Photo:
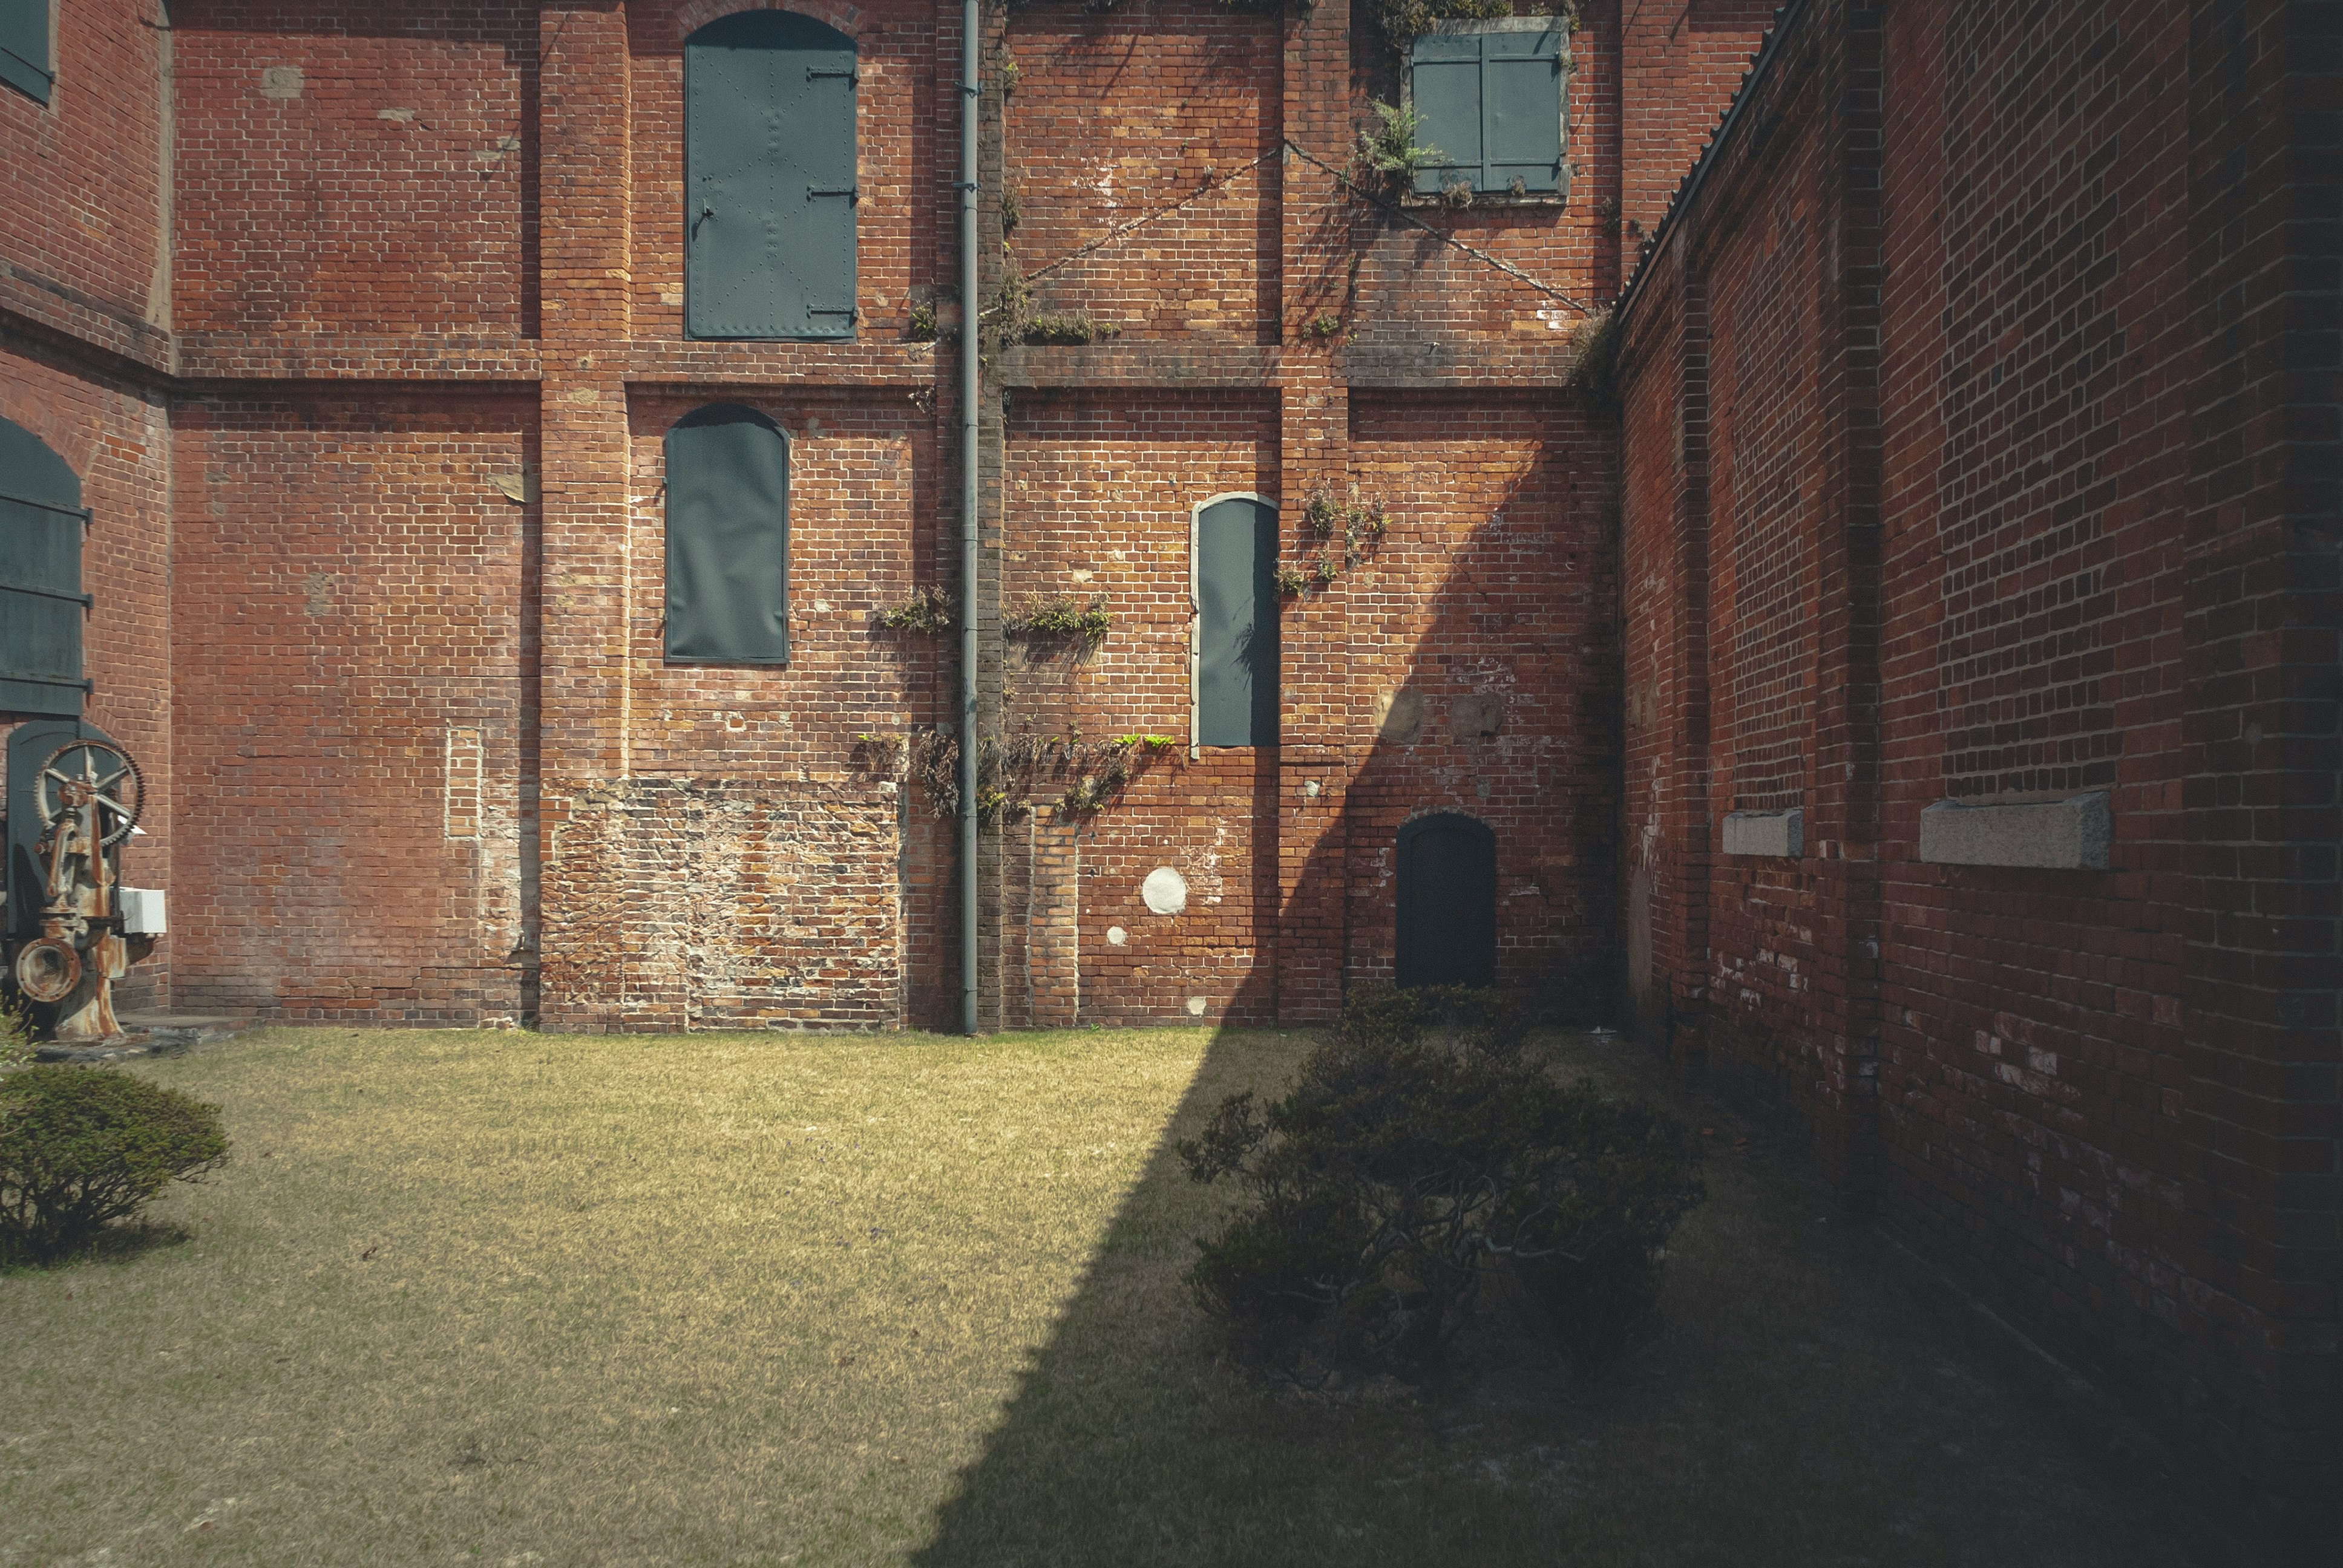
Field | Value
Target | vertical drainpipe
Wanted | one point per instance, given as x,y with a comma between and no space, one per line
968,502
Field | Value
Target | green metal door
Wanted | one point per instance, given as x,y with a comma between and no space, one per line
768,178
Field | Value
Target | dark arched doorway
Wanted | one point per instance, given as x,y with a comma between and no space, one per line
1447,901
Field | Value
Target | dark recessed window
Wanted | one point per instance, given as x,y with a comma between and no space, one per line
25,47
41,603
1447,901
1491,102
768,178
1236,623
727,537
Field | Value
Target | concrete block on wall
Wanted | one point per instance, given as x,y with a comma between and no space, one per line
1779,833
2073,834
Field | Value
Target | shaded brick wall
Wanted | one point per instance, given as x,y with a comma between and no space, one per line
84,346
1481,633
1930,319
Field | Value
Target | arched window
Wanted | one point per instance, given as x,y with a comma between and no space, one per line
1234,562
1447,901
41,603
768,178
727,537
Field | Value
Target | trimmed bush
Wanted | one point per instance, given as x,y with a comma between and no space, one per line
1421,1148
82,1147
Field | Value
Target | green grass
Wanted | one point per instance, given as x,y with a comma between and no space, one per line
513,1299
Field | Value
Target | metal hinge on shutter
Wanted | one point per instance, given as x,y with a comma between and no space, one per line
853,196
851,78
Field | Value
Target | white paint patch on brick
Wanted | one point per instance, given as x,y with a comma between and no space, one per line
462,807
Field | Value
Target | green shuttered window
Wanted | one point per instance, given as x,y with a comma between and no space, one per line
41,602
25,47
768,178
727,537
1491,102
1236,623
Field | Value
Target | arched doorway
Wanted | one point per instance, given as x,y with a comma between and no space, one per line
1447,901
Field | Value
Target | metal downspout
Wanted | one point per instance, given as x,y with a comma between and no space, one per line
969,313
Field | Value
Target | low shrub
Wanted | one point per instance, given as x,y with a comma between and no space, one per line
82,1147
1421,1148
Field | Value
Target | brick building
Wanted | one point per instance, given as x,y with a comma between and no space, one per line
1977,447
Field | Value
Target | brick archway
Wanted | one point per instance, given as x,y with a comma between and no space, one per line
694,15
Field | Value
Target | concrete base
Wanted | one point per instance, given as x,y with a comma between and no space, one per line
2071,835
1781,834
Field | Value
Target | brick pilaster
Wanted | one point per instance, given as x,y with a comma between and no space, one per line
1320,714
1843,781
586,189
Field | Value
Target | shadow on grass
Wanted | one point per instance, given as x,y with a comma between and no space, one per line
114,1244
1814,1397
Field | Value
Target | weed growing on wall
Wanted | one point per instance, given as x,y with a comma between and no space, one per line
1590,364
929,611
1011,772
1344,534
1389,147
1063,618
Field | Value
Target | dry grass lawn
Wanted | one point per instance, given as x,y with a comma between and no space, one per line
514,1299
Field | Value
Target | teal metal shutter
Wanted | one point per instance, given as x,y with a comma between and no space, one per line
41,603
1521,110
1491,102
1236,624
25,47
768,178
1446,86
1447,901
727,537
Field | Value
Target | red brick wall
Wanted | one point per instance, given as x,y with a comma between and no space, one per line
1110,123
1099,495
350,590
355,169
1946,380
82,191
1683,60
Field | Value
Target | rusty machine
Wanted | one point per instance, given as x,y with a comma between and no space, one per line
72,928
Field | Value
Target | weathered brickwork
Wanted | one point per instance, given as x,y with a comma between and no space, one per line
1086,154
722,904
84,191
1971,467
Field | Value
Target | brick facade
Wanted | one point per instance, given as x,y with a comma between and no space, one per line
1977,445
1960,465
